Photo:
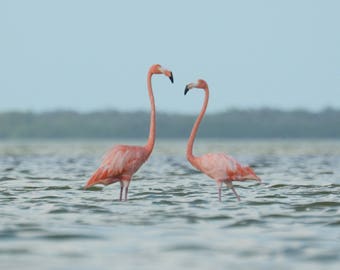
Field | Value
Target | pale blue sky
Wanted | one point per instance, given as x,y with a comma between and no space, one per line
93,55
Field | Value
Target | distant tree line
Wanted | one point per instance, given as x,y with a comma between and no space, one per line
256,123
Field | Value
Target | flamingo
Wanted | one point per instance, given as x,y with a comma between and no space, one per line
122,161
219,166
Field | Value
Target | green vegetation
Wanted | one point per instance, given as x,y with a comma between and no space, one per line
261,123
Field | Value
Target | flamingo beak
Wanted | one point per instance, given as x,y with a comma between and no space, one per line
171,77
186,89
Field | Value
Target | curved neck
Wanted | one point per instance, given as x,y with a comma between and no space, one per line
190,156
152,133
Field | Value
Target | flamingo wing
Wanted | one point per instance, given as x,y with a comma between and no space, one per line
121,161
238,172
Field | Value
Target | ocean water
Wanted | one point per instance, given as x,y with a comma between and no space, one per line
173,219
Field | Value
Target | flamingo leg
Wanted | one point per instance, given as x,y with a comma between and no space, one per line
126,193
230,185
237,196
125,185
219,187
121,193
219,193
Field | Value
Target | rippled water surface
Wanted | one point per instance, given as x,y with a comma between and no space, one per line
173,219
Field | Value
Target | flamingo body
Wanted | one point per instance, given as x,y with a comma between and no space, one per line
118,165
223,167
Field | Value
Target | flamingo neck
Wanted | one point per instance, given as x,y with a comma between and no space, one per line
152,132
190,156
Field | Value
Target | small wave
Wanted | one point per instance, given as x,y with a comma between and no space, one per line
272,202
308,206
188,247
7,178
334,223
198,201
14,251
67,236
274,196
58,188
60,179
91,207
25,171
93,188
8,233
165,202
279,186
276,216
325,172
47,197
59,210
37,178
216,217
246,222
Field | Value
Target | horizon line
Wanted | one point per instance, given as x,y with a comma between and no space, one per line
262,108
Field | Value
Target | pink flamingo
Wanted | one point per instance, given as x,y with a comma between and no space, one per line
122,161
220,167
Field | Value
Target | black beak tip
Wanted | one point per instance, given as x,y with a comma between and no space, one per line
171,78
186,90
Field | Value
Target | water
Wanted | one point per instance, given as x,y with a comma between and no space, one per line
173,219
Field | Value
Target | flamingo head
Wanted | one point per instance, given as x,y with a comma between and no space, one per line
202,84
158,69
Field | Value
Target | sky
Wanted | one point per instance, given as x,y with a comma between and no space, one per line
94,55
